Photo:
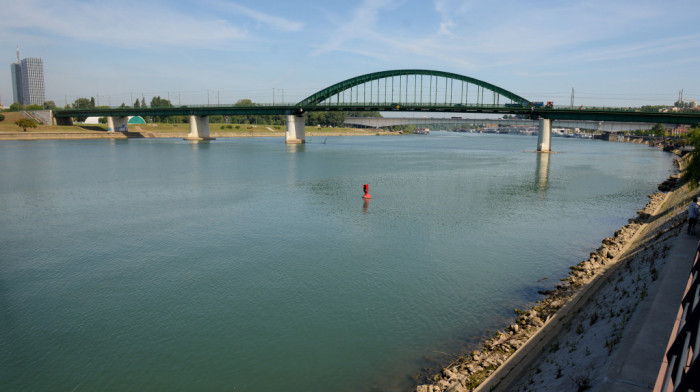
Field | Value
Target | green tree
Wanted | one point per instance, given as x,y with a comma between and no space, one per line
137,104
244,102
51,105
158,102
16,107
326,119
83,103
658,130
692,172
363,114
92,102
25,123
2,117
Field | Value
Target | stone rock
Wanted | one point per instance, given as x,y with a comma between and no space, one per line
456,387
516,343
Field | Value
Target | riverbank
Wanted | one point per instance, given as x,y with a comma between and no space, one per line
567,339
10,131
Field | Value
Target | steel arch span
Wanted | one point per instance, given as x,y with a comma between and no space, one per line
417,87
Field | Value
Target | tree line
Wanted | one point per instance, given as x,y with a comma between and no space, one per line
324,119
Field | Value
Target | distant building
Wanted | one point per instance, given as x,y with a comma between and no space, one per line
28,81
33,81
17,91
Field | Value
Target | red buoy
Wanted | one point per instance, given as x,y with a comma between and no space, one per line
366,189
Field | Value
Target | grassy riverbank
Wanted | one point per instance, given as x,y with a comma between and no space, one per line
10,131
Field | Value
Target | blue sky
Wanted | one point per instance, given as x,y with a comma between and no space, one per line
613,53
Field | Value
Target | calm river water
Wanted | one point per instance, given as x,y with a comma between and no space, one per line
250,265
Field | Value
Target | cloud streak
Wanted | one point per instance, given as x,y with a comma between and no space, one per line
471,36
275,22
135,24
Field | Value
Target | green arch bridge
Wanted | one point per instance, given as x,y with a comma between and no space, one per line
410,90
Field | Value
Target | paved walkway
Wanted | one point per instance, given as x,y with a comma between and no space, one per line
642,349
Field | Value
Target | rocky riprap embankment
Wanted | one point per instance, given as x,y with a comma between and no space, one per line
468,371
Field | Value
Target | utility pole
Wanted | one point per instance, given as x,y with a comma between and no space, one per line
218,97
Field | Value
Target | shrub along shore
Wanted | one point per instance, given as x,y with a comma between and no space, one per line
593,304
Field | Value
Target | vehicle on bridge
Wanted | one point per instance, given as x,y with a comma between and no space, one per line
549,105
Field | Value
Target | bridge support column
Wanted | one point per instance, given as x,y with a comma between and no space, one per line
296,129
119,124
199,128
545,135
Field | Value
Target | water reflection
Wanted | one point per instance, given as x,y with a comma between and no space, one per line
301,147
365,206
199,145
542,174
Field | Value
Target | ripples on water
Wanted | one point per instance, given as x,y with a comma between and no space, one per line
248,264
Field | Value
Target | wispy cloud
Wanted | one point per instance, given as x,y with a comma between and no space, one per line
273,21
360,27
134,24
472,36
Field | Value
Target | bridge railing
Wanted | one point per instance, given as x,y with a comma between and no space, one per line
682,369
426,105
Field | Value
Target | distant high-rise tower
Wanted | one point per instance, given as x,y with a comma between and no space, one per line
28,81
16,70
33,81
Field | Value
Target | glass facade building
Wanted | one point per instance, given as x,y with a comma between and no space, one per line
17,91
28,81
33,81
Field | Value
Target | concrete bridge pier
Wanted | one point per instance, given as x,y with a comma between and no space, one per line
296,129
199,128
545,135
119,124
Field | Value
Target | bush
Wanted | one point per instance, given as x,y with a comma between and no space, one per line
2,116
25,123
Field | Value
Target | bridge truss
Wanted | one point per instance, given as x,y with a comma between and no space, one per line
415,88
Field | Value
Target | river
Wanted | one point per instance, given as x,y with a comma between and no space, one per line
246,264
